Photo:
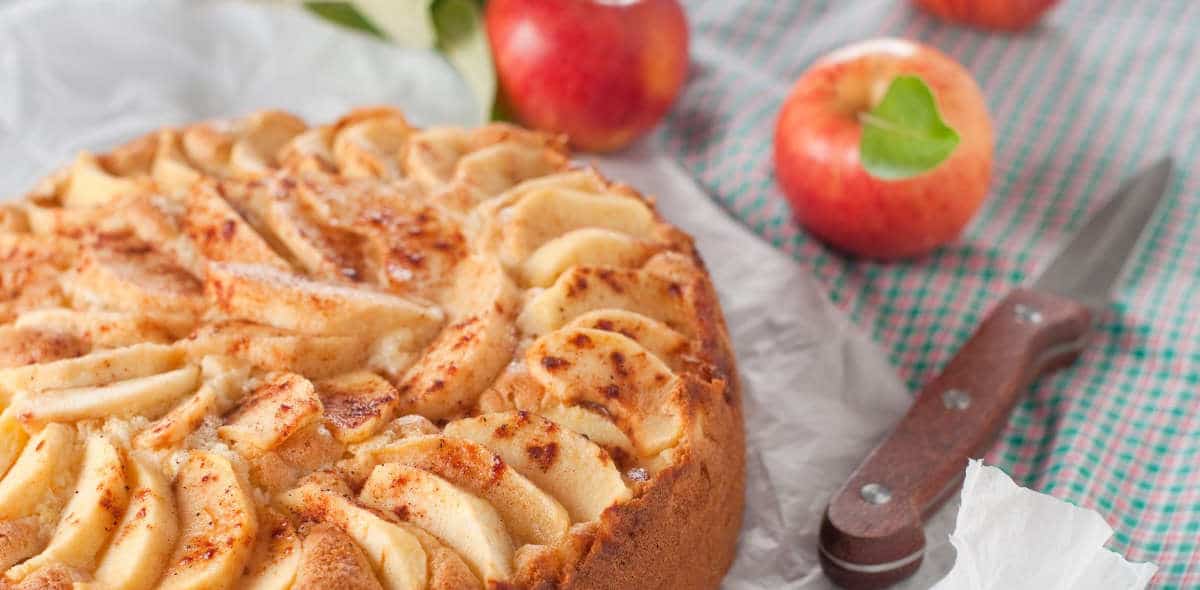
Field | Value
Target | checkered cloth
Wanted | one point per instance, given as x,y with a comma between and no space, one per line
1098,90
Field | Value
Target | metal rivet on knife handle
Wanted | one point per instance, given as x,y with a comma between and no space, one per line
875,493
1027,315
956,399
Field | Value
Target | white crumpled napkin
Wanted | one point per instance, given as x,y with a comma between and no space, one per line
89,74
1012,537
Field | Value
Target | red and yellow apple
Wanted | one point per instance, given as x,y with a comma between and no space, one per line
817,152
1004,15
601,71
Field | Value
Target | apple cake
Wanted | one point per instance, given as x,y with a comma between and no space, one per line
255,354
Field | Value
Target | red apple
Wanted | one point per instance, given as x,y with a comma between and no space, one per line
817,159
1005,15
602,71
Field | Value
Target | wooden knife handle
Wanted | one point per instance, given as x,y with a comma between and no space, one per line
872,534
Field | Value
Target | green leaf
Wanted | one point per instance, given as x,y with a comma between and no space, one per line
343,14
408,23
453,27
904,135
463,39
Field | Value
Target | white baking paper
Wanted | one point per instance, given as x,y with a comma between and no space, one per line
1005,533
90,74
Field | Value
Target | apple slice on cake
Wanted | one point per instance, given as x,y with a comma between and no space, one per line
218,524
395,554
145,536
528,513
566,465
465,522
91,514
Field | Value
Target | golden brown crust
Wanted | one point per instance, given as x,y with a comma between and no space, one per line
325,303
27,346
19,540
55,577
330,559
447,571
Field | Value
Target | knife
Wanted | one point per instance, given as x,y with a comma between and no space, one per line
872,536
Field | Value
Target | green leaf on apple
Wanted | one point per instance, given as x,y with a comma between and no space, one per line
453,27
343,14
904,135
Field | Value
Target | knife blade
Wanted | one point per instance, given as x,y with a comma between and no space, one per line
1087,267
872,532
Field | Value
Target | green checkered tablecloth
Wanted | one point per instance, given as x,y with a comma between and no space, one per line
1098,90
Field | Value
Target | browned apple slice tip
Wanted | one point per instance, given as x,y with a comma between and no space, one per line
465,522
357,404
396,555
528,513
218,524
328,558
566,465
612,371
283,405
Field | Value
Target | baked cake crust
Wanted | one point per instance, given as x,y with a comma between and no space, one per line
258,354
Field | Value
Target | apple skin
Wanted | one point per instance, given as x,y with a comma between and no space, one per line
1003,15
602,72
817,153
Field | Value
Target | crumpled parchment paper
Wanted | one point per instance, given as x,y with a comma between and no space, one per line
90,74
1042,542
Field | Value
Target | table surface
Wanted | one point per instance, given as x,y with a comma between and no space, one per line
1095,92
